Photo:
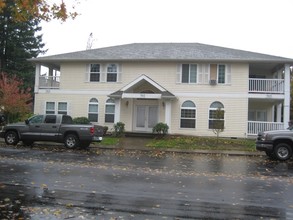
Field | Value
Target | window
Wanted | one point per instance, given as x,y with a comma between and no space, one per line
62,108
189,73
188,115
50,107
36,119
94,72
216,116
221,73
110,111
50,119
93,110
112,72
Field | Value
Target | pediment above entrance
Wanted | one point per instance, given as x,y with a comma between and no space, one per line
143,87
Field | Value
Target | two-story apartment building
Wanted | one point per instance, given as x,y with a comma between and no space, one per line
181,84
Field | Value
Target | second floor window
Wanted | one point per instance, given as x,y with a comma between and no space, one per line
95,72
189,73
112,72
221,73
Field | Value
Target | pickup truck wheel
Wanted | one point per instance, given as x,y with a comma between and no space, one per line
283,151
11,138
71,141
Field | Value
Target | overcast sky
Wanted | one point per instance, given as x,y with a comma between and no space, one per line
264,26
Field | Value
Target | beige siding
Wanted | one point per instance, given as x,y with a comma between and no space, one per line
75,90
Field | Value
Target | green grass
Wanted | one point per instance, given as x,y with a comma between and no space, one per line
109,141
192,143
202,143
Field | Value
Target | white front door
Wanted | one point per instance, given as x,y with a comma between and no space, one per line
146,117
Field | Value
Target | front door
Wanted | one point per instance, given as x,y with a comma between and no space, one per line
146,117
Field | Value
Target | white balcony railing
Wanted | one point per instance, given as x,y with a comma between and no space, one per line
50,82
257,126
271,86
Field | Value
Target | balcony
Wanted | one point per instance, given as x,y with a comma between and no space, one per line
266,86
257,126
49,82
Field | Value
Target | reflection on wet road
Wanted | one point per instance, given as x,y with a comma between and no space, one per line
123,184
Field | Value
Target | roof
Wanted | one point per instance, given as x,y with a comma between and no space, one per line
164,52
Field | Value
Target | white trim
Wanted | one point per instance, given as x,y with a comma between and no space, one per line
141,96
143,77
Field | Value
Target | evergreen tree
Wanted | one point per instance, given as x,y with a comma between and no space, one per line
19,41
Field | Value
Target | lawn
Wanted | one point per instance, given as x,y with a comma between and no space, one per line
203,143
194,143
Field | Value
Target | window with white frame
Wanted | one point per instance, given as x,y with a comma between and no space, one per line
95,72
112,72
221,73
188,115
50,107
188,73
93,110
216,115
110,111
62,108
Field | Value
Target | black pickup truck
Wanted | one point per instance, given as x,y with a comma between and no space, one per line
54,128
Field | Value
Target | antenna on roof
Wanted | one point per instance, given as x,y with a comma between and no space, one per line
90,42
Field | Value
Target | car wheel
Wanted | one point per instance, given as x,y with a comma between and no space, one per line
11,138
71,141
283,151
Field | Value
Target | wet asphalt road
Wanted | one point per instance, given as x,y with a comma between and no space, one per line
121,184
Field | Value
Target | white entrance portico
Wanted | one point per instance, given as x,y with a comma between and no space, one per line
145,104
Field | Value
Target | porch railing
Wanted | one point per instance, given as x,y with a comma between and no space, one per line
257,126
52,82
271,86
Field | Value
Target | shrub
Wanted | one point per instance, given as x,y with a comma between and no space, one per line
119,129
105,129
161,128
81,120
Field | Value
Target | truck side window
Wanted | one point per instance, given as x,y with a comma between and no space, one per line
66,120
50,119
36,119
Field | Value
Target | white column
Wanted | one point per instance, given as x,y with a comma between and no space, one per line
279,112
37,77
117,110
168,113
286,113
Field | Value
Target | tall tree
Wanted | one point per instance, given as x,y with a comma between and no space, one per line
19,41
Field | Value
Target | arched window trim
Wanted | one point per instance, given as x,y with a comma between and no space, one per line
213,107
188,115
93,115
